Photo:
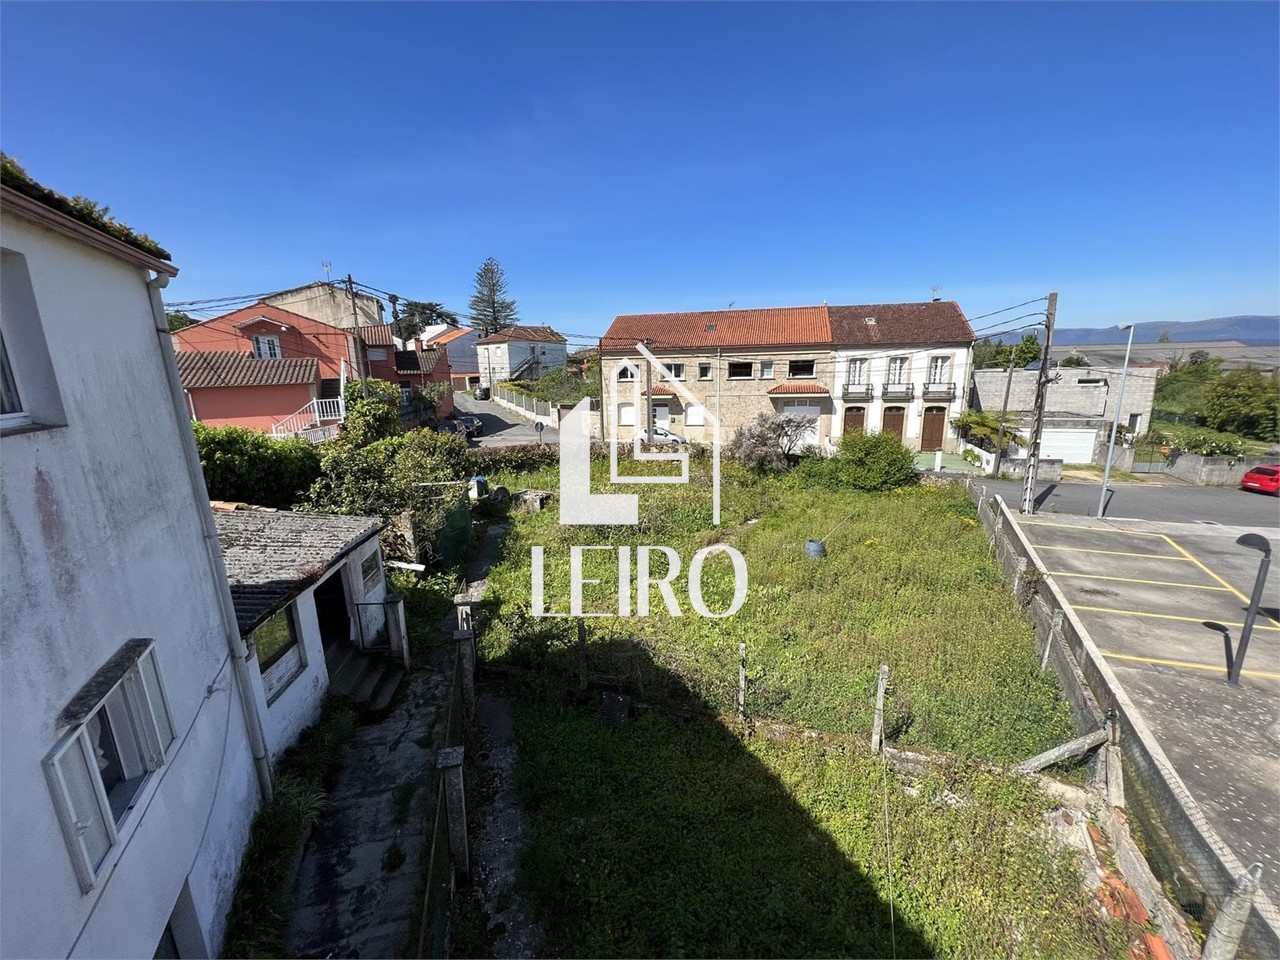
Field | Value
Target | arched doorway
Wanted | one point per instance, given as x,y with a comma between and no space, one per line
855,419
935,428
894,419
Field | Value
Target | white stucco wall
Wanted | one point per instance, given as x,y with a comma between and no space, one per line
101,541
917,374
497,360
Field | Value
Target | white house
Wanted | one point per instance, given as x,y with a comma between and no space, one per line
312,604
130,745
901,367
517,353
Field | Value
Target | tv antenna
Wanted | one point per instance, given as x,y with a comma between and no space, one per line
731,303
327,267
937,291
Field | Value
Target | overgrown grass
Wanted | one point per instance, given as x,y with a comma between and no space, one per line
426,601
304,776
668,838
908,580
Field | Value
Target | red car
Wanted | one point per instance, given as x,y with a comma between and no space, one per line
1263,480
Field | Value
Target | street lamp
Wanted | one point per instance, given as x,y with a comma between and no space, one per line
1258,542
1115,420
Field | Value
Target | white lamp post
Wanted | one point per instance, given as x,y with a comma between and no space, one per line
1115,420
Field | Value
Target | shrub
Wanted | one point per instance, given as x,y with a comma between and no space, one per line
772,441
245,465
1213,445
560,385
873,461
1244,402
374,417
971,456
524,458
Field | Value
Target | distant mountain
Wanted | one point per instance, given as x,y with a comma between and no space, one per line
1254,331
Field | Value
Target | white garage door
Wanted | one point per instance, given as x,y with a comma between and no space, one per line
805,408
1069,446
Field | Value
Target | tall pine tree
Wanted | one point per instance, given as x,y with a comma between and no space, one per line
491,309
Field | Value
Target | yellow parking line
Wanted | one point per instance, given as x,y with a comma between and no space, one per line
1113,553
1154,583
1071,526
1177,546
1191,666
1168,616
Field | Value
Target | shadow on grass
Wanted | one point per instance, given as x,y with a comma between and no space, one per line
656,836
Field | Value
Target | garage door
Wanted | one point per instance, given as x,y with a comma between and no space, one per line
805,408
1069,446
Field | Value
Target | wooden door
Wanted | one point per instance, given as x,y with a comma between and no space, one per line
935,428
894,418
855,419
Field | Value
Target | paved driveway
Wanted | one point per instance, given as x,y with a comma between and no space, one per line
502,428
1157,599
1172,502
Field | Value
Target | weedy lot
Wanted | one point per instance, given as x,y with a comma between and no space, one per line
669,836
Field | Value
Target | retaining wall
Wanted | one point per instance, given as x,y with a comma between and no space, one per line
1212,471
1184,850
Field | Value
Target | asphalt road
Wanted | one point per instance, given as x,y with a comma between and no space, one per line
502,428
1149,501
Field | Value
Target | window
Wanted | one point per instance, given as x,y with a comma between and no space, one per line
1135,421
799,369
377,353
695,415
266,348
627,373
371,570
766,369
626,414
11,409
116,740
281,659
28,389
676,370
740,369
704,371
938,368
897,370
858,372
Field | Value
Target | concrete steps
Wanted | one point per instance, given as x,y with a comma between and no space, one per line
368,679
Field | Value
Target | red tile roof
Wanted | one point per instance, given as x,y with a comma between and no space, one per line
376,335
541,334
807,389
937,321
199,370
774,326
662,390
449,335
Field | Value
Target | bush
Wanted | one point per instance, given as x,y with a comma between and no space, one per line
560,385
525,458
249,466
772,441
371,418
1244,402
1212,445
864,461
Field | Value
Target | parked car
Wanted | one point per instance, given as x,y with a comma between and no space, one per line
1262,480
481,393
661,435
474,426
451,426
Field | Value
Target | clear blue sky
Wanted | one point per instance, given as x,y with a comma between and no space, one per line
662,157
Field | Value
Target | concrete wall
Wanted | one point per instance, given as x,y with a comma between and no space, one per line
736,402
101,539
258,408
330,304
1087,391
1212,471
918,360
1184,850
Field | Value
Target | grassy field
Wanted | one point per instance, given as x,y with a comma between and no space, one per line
669,837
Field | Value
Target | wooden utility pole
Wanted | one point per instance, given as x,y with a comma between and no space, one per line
1042,390
362,358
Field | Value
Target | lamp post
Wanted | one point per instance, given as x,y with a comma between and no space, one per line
1258,542
1115,421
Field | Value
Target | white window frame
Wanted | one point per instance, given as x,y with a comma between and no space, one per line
857,375
749,375
266,346
792,375
695,415
372,577
766,369
626,414
942,363
626,373
708,367
903,366
676,370
136,716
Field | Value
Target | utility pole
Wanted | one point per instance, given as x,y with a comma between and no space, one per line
1042,390
362,361
1004,412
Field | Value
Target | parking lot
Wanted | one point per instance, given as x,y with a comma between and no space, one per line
1161,601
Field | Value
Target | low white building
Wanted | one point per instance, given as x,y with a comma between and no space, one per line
131,753
901,367
519,353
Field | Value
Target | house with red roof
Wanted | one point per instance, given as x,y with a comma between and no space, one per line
519,353
460,342
271,369
896,367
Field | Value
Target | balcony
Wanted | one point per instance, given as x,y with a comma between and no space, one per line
858,391
898,391
939,391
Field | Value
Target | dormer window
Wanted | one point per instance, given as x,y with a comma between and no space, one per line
266,348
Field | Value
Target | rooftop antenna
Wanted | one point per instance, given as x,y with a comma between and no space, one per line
731,303
937,292
327,267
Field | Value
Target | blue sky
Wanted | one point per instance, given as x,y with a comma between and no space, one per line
620,158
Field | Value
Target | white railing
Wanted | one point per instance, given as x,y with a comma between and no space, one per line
312,415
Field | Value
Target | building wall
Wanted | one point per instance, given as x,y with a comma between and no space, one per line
919,358
255,407
1087,391
497,360
102,543
330,304
332,349
736,402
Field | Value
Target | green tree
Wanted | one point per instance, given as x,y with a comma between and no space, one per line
1075,360
1165,337
982,428
1244,402
411,317
988,354
178,319
374,417
491,307
1027,350
1198,357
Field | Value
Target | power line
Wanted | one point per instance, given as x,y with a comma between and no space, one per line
983,316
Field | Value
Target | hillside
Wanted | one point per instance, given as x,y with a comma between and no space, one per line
1252,330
